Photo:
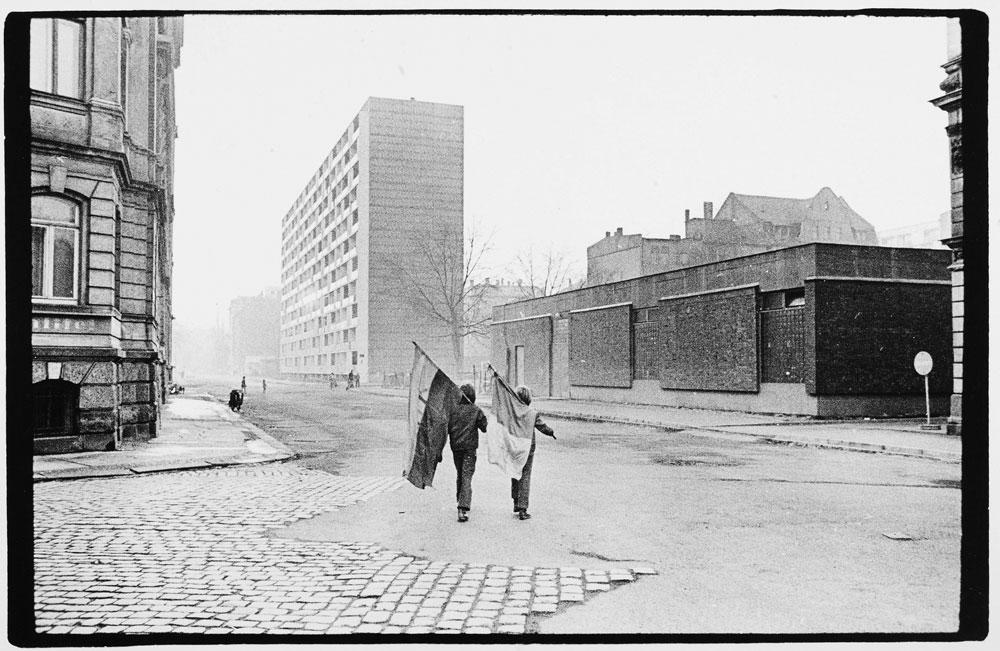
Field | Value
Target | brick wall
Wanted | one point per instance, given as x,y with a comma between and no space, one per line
536,337
709,341
773,270
600,347
865,335
881,262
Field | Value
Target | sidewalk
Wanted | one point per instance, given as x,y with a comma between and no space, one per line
898,436
196,431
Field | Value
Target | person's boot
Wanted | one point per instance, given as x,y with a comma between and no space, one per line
463,516
523,515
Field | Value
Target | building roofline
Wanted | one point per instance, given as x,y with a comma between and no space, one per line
739,257
407,101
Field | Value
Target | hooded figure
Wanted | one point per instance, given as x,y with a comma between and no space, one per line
521,488
464,424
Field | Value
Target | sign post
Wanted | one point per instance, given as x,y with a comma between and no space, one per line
922,364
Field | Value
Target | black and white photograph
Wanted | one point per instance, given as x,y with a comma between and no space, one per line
384,324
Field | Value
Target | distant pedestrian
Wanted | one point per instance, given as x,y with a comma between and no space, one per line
333,380
357,377
350,380
520,488
263,385
235,400
464,424
243,385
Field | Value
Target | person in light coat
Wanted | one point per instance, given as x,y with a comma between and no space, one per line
520,488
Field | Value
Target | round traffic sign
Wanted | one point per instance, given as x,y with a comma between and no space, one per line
922,363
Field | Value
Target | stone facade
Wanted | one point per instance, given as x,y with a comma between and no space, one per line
102,134
745,224
951,102
383,212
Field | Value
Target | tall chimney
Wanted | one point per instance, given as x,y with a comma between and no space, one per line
618,231
687,215
708,210
607,233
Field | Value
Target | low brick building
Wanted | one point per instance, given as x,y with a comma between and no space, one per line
102,139
816,329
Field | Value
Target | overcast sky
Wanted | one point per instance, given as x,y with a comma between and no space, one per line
573,125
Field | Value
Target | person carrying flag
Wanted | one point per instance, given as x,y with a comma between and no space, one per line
465,422
520,488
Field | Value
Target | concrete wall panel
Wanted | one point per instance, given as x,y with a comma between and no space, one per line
867,333
708,342
600,347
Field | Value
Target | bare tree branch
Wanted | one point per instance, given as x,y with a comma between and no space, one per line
542,273
442,285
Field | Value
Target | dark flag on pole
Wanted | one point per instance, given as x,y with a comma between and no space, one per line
432,397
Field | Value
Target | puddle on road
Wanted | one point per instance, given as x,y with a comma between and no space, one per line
668,460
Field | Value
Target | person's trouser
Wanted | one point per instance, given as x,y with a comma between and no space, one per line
465,466
519,488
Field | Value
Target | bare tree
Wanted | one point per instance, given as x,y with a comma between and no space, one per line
443,286
541,272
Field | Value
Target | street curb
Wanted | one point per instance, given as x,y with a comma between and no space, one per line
260,434
835,444
272,442
281,452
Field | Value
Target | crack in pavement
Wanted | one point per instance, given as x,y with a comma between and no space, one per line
602,557
822,481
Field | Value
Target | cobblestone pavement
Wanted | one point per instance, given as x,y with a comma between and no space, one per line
190,552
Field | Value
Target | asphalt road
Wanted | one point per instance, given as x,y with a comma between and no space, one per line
747,537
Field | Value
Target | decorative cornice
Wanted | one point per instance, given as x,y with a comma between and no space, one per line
948,101
116,159
58,102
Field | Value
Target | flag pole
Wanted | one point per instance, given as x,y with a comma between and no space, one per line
504,382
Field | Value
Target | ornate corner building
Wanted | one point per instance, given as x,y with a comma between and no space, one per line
951,102
102,167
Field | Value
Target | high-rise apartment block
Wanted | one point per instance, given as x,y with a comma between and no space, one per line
355,243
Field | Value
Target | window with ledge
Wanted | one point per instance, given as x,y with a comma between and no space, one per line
795,297
56,56
55,244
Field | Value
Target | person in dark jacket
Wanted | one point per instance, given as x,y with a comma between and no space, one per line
235,400
519,488
464,424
